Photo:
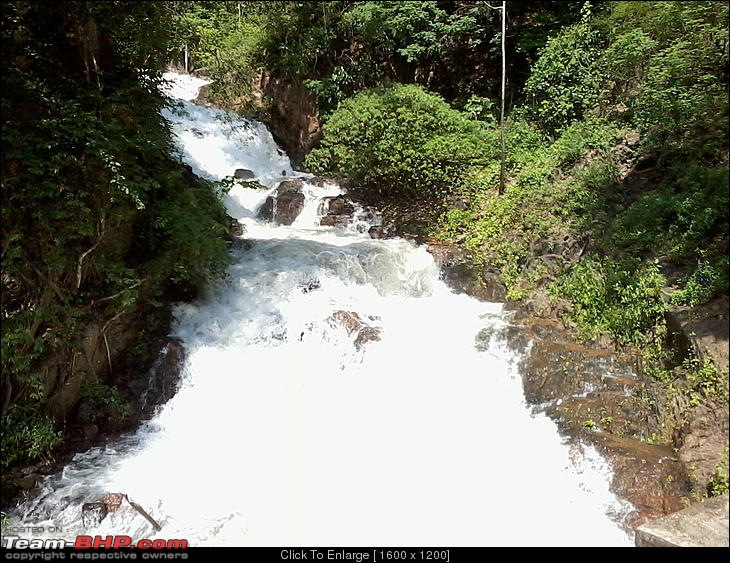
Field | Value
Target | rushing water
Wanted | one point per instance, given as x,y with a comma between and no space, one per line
285,432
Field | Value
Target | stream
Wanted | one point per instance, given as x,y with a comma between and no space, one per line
290,429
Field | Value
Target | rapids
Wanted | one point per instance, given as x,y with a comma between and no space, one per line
285,432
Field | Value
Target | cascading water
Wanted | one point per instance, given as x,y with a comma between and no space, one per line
290,430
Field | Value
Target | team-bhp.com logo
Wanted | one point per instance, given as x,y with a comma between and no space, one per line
94,542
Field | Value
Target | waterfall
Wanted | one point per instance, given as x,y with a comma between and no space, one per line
336,392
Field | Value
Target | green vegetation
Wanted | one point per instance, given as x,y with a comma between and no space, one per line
404,142
100,221
719,482
621,299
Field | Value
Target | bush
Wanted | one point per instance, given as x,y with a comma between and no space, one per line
402,141
618,298
27,434
565,82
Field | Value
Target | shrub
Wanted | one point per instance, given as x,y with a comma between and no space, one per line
402,141
618,298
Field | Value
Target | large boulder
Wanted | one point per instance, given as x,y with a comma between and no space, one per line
243,174
336,211
336,205
285,205
161,382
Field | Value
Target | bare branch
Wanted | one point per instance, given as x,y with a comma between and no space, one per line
118,293
89,251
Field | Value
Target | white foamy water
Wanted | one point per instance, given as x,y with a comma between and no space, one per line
286,432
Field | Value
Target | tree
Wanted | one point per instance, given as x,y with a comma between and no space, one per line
402,142
503,155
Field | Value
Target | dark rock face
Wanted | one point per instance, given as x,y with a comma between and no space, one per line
703,330
367,334
266,211
160,383
335,220
334,211
293,116
381,232
289,205
286,205
336,205
165,375
235,229
458,273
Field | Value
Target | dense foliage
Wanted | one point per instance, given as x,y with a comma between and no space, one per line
402,142
338,48
99,219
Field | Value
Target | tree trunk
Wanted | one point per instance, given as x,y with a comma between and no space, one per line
501,117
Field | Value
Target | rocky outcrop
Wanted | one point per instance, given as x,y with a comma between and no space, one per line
355,325
285,205
336,211
702,331
293,117
161,382
336,205
266,211
235,229
382,231
459,274
591,394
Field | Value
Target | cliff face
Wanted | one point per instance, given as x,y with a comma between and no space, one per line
293,116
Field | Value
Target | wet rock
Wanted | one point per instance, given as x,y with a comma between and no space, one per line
381,232
367,334
351,321
335,220
266,211
164,377
113,501
353,324
458,272
92,513
335,211
370,215
336,205
322,181
590,393
243,174
288,201
310,285
235,229
649,476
